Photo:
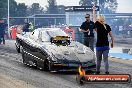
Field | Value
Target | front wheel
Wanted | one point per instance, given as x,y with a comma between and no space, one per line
23,57
17,48
47,65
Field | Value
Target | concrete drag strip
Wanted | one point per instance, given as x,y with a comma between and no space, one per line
9,82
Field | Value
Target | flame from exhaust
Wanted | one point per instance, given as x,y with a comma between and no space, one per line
81,71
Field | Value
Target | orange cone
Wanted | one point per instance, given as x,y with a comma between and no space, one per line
13,33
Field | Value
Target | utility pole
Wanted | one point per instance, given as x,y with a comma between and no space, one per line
98,5
8,21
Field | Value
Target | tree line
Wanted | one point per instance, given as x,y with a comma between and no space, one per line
21,10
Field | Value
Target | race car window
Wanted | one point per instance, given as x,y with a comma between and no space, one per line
36,33
45,37
56,32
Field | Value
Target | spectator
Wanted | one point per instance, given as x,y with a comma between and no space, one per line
2,31
26,26
31,27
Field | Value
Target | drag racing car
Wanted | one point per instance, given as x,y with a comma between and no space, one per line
51,49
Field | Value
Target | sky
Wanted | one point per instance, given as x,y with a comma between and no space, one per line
124,6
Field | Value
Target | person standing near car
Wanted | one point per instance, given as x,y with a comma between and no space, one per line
2,31
102,44
31,27
87,28
26,26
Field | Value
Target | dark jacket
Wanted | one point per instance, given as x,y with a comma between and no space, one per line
26,27
2,29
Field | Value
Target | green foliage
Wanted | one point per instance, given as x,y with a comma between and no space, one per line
106,6
3,8
52,7
15,10
21,10
35,9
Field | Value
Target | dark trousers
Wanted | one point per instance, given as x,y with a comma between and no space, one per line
26,30
89,42
99,55
2,39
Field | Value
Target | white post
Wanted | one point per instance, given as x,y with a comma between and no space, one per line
55,21
8,21
99,7
67,18
34,21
